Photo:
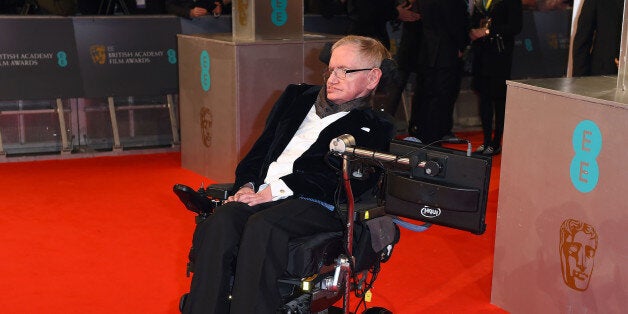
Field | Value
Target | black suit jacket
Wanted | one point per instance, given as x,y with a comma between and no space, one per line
369,18
311,176
445,32
598,37
492,55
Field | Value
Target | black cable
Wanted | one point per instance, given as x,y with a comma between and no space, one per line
367,287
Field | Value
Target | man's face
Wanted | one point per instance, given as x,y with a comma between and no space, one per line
355,84
578,255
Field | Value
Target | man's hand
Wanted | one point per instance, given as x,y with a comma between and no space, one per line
218,9
248,196
253,199
197,12
476,33
242,191
405,15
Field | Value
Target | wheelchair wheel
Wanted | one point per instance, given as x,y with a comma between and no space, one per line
377,310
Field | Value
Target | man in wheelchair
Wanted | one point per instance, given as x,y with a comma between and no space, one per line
285,187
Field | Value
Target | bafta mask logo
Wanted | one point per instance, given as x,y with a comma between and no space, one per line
206,126
578,243
97,52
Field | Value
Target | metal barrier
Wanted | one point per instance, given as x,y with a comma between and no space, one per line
78,60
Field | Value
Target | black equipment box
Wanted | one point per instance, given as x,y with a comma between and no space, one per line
455,195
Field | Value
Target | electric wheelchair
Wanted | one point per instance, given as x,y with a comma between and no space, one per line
426,184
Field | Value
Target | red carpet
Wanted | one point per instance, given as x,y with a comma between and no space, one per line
107,235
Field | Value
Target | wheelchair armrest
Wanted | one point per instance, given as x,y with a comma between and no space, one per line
218,191
204,200
363,214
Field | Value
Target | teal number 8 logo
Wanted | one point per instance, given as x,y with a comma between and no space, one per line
172,56
279,15
62,59
205,65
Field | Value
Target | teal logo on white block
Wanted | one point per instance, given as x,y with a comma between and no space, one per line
205,65
587,144
279,15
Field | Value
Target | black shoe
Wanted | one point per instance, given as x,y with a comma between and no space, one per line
491,151
193,200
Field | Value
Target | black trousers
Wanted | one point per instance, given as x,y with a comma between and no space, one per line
433,103
492,95
248,247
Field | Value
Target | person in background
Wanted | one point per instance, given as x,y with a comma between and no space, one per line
369,17
284,186
494,24
445,33
407,58
194,8
598,38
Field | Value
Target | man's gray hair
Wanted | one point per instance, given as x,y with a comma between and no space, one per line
371,49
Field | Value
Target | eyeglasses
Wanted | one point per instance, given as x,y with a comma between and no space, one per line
341,73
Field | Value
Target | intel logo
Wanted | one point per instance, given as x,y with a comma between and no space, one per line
429,212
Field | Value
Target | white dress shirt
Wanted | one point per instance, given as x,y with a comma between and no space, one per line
305,136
